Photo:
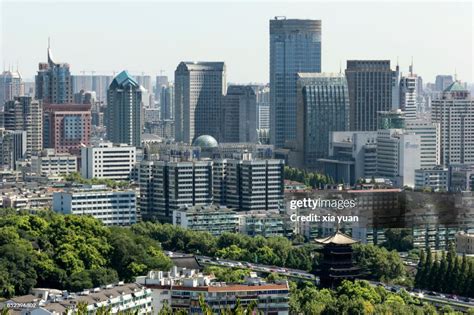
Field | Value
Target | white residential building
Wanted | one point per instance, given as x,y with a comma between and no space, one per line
112,207
108,160
50,163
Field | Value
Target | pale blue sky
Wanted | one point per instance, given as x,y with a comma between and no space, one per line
149,36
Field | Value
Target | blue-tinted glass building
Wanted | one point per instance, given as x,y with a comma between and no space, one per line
323,107
53,82
295,46
123,115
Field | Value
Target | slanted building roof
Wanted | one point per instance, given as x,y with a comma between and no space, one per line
337,238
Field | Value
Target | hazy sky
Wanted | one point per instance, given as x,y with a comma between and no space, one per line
153,36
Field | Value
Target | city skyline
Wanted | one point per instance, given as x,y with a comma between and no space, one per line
215,32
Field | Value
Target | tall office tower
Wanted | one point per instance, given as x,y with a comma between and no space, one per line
124,113
454,111
53,82
373,87
11,85
442,82
12,147
108,160
239,114
323,107
24,113
66,127
263,108
398,156
430,149
160,82
295,46
167,186
408,95
167,102
254,184
198,88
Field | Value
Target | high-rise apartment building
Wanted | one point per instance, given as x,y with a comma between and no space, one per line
254,184
53,82
108,160
12,147
66,127
167,102
373,87
124,110
454,111
24,113
167,186
239,114
199,89
295,46
11,86
323,107
408,95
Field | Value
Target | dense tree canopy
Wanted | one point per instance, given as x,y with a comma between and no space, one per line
70,252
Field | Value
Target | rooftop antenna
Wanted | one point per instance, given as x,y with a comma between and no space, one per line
340,67
411,66
455,74
398,67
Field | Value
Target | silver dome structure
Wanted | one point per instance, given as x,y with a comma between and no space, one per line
205,141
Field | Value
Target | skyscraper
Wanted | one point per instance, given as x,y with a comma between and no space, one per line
373,87
263,108
124,123
323,107
53,82
408,95
454,111
24,113
161,81
443,81
199,89
295,46
11,85
240,114
167,102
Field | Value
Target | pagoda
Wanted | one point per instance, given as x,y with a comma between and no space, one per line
337,263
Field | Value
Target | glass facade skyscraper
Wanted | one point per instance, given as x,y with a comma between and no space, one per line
295,46
124,124
323,107
373,87
199,89
53,82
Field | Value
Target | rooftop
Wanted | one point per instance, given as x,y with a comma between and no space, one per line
338,238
